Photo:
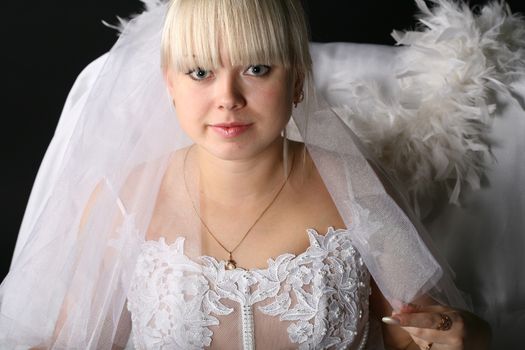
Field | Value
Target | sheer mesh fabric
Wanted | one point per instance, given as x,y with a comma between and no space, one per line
315,300
117,134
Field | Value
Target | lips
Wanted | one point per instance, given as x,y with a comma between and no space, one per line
230,130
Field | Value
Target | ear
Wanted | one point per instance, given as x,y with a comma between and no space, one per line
298,86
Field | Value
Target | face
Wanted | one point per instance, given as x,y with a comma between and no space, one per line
233,112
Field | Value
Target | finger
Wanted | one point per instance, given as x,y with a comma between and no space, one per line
408,308
415,324
427,320
412,308
423,343
432,336
418,326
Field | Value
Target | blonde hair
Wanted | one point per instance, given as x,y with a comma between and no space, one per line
250,31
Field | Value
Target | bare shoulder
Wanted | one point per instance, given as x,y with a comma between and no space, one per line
171,199
313,197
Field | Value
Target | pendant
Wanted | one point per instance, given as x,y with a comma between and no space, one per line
230,265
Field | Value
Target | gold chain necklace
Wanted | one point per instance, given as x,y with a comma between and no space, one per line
230,263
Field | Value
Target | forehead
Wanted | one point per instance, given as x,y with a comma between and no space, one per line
203,33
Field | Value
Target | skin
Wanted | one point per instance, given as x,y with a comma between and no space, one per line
240,173
418,323
258,95
252,165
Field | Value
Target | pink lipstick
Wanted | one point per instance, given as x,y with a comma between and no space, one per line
230,130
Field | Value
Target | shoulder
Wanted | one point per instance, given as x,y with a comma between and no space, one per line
309,189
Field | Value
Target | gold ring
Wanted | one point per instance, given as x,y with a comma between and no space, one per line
445,323
429,346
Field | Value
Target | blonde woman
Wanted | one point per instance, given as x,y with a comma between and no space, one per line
185,209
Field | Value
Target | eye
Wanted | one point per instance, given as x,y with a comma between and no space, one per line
199,74
257,70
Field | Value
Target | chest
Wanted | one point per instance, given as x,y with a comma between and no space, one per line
253,232
317,299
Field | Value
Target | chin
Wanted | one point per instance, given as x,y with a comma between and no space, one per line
239,150
235,152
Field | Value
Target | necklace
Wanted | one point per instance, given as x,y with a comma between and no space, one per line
230,264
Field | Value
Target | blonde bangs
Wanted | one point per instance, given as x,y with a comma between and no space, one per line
249,31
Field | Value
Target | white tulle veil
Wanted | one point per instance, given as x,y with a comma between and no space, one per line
450,103
92,202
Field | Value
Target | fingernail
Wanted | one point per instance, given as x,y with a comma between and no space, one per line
391,320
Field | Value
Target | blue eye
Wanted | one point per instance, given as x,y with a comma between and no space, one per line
257,70
199,74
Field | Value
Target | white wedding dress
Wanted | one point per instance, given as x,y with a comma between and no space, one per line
318,299
315,300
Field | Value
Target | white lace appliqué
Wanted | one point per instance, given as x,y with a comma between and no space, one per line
322,294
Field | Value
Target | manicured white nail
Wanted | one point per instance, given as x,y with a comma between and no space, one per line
390,320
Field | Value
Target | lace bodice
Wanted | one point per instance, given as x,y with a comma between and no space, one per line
315,300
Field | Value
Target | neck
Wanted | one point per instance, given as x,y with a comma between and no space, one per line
231,182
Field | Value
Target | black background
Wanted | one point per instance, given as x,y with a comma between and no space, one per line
47,43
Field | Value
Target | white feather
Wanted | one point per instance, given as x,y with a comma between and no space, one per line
433,132
122,23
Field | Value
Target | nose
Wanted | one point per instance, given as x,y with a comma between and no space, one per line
229,93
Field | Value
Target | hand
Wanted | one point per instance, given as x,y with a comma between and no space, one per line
438,327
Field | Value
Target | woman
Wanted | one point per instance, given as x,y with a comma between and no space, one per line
211,228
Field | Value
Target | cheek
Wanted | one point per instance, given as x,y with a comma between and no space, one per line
190,102
186,97
189,111
276,100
